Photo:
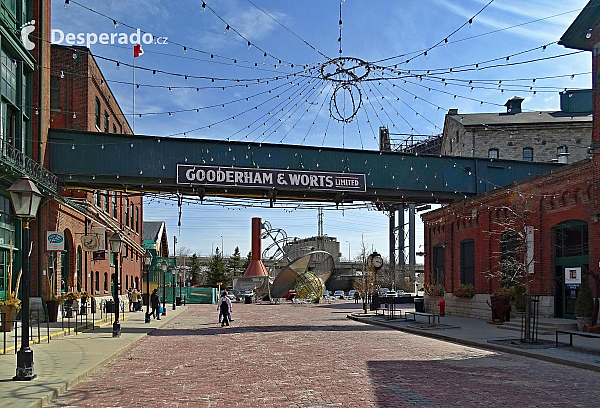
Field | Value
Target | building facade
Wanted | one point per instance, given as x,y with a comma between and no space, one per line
541,136
557,216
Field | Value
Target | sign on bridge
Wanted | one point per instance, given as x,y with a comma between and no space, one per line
269,178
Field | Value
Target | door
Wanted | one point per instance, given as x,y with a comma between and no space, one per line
570,251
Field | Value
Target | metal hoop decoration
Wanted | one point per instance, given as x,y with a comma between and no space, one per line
334,110
341,70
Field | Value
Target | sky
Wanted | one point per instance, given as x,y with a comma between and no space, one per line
305,34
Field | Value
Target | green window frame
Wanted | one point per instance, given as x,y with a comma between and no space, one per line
8,77
97,113
106,116
114,204
467,262
106,202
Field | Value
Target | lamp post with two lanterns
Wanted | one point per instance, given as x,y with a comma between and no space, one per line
164,266
26,199
116,244
173,283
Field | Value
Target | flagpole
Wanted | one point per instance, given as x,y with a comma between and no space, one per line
134,91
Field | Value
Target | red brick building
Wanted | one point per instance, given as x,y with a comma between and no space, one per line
80,98
558,214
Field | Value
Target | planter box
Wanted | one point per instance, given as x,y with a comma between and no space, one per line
9,314
52,306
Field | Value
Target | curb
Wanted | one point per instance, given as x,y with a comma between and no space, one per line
486,346
72,382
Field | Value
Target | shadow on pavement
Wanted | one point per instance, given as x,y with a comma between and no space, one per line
259,329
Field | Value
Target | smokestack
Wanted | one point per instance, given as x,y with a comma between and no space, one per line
256,267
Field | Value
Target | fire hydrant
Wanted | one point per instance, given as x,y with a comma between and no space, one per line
442,305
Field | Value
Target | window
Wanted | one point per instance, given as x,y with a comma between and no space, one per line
54,93
106,202
528,154
97,199
105,282
562,149
112,259
467,263
137,220
127,212
126,281
106,121
114,204
438,275
510,244
11,126
114,128
571,239
493,153
11,5
120,128
131,215
8,81
97,113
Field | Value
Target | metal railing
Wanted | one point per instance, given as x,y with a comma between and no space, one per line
25,164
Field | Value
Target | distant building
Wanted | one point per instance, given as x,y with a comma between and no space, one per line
541,136
300,247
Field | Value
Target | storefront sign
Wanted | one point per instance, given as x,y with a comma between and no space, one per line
573,276
55,241
268,178
89,243
100,232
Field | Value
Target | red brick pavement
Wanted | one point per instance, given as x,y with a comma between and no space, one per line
300,356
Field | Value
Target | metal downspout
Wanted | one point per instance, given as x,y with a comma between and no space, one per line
40,141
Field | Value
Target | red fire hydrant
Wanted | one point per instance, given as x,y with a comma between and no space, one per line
442,305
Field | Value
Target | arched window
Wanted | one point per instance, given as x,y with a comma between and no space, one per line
467,262
97,282
562,149
105,282
127,212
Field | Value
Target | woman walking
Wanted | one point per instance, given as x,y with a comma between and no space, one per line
154,301
225,306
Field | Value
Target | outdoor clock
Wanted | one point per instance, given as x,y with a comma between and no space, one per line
376,260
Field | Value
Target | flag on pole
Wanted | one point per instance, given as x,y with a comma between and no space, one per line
137,50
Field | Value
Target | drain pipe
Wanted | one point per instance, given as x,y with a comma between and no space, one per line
40,229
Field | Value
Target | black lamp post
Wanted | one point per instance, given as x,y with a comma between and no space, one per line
173,284
116,244
147,263
163,266
26,199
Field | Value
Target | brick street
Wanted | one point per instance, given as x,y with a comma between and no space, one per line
312,355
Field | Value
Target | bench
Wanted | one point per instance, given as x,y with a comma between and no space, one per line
572,333
428,315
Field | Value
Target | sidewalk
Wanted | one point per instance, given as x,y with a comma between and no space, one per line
478,333
66,361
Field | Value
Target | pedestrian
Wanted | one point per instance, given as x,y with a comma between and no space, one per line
129,297
135,299
356,296
225,308
154,301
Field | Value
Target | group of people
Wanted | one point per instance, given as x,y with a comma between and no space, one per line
224,308
135,300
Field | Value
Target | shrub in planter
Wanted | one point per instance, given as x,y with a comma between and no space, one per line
435,290
464,291
584,306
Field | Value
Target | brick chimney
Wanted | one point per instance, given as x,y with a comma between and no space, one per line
513,105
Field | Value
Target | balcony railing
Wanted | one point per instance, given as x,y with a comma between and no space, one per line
22,163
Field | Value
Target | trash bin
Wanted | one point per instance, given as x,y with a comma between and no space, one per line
109,306
419,304
248,300
178,300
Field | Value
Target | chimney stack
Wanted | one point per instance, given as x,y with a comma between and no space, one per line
256,267
513,105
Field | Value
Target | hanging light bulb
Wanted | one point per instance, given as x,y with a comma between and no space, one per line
118,65
62,74
74,115
265,56
226,29
470,22
203,7
184,49
445,42
115,23
543,48
249,45
66,4
170,89
588,35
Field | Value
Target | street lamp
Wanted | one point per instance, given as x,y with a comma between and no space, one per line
222,246
163,266
116,244
173,284
348,250
147,263
26,199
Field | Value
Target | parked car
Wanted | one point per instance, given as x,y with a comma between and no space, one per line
391,293
246,293
339,293
327,293
383,291
290,294
351,293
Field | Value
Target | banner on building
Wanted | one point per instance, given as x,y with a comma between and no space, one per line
55,241
573,276
89,243
529,252
100,232
269,178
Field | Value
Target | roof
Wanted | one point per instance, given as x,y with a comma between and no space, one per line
551,117
574,37
152,230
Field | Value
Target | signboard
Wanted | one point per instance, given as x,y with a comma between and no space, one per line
55,241
573,276
98,256
100,232
269,178
529,249
89,243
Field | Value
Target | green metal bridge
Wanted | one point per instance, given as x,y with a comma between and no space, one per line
92,160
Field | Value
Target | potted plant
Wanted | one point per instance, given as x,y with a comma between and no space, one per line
500,304
52,301
584,306
10,305
69,298
464,291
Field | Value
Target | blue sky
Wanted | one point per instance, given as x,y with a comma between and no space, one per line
371,31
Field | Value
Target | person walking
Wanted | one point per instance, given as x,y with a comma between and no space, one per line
225,306
356,296
154,302
130,298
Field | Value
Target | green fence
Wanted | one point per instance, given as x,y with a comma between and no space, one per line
191,295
